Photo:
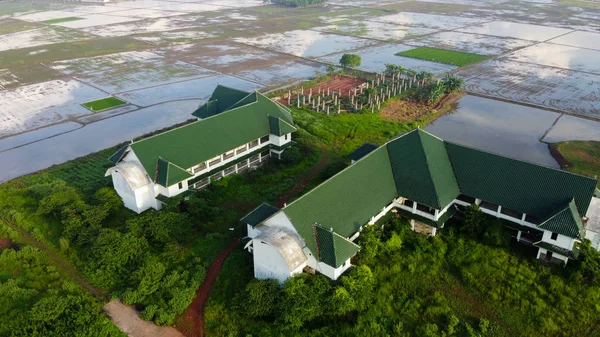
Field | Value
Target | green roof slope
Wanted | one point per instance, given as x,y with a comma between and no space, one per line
566,221
422,170
168,174
259,214
221,99
200,141
332,248
279,127
347,200
518,185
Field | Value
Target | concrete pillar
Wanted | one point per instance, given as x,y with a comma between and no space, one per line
538,253
519,236
523,218
499,211
477,201
414,207
433,231
412,224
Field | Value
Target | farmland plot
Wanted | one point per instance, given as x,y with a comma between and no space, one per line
470,43
430,21
565,57
40,37
36,105
284,73
375,30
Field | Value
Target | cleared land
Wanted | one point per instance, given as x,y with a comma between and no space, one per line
443,56
104,104
581,157
59,20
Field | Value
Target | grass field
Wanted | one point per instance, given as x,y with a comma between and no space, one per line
583,156
443,56
59,20
104,104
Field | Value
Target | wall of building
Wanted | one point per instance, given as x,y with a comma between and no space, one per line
269,263
555,257
561,240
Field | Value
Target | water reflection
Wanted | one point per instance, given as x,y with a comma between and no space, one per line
504,128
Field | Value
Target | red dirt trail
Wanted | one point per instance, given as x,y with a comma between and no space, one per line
191,323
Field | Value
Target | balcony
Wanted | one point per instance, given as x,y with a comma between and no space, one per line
199,168
228,155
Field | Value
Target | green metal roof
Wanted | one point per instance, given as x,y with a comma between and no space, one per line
221,100
362,151
566,221
117,156
422,170
347,200
168,174
572,254
259,214
332,248
200,141
280,127
518,185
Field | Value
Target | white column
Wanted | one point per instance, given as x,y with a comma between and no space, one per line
412,224
433,231
523,218
539,252
477,201
436,215
519,236
499,210
414,210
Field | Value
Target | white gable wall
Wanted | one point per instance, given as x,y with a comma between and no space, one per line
269,263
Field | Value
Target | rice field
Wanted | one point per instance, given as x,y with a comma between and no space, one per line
443,56
104,104
59,20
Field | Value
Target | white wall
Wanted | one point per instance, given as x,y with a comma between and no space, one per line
138,200
554,255
252,232
594,237
269,263
561,240
333,273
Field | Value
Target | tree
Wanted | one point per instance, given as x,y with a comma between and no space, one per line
452,83
109,199
360,284
350,61
261,298
474,223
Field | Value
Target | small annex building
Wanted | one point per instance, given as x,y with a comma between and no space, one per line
425,179
236,131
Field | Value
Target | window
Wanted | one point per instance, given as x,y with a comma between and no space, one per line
407,203
489,206
287,136
240,149
425,209
253,143
264,139
228,155
180,185
198,168
466,199
532,219
548,256
554,236
214,161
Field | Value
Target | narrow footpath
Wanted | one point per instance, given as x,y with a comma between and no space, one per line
191,323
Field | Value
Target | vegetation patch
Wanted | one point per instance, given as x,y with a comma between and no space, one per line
104,104
581,157
443,56
298,3
59,20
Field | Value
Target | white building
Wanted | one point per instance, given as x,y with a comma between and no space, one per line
427,180
237,131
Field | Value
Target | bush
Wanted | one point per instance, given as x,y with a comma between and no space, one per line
350,61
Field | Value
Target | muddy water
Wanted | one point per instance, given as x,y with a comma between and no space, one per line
504,128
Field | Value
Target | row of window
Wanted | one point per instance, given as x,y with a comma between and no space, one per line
227,155
241,167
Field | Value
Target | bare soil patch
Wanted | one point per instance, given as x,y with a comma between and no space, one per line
129,321
404,111
337,83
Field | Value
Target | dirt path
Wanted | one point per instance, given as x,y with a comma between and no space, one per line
55,259
191,323
302,184
129,321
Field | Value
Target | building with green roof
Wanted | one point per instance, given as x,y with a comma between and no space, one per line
236,131
428,180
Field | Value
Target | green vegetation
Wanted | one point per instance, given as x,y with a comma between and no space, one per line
39,300
104,104
59,20
298,3
350,61
581,157
406,284
443,56
8,26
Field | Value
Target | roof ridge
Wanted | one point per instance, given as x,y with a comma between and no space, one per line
520,160
186,125
437,197
333,176
243,98
257,207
